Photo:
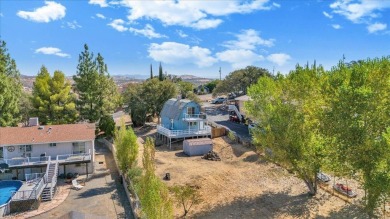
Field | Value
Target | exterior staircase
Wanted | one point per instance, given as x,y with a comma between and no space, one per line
51,181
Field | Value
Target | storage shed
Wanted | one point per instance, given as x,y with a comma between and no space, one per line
194,147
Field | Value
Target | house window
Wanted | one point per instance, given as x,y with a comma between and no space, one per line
1,153
52,144
78,147
192,123
25,148
190,110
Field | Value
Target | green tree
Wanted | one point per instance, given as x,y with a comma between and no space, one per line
148,98
52,99
108,95
126,147
211,85
160,73
289,109
41,96
107,125
97,91
26,107
240,80
10,88
358,119
138,107
151,72
62,100
153,193
186,196
185,87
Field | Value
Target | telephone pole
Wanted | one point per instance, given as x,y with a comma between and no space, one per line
220,77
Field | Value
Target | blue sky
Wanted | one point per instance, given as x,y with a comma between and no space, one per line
193,37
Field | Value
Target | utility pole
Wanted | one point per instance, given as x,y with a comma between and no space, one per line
220,77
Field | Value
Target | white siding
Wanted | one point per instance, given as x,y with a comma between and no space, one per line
38,149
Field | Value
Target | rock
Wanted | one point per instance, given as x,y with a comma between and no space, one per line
211,155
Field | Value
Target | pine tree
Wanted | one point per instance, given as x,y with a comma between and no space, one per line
97,91
10,88
86,81
41,96
52,99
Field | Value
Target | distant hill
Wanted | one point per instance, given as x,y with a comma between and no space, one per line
120,80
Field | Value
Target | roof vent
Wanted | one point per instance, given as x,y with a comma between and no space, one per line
33,121
41,127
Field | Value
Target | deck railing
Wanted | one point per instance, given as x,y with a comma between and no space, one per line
31,177
74,157
33,193
29,161
194,116
4,209
23,161
181,133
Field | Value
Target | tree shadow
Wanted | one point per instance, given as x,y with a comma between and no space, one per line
253,158
181,154
349,211
275,205
96,191
269,205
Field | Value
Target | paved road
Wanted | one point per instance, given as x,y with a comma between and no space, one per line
102,196
218,113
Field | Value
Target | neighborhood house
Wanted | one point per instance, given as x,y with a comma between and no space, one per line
28,150
182,118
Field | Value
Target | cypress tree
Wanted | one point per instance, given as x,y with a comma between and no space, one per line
151,72
160,73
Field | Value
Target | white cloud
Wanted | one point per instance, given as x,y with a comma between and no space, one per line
148,32
206,23
73,25
181,34
327,14
336,26
101,3
51,51
276,5
248,39
239,58
100,16
195,14
359,10
372,28
50,12
174,53
278,58
117,24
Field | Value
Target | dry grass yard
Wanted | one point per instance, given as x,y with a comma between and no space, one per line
244,185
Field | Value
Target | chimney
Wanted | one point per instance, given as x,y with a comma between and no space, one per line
33,121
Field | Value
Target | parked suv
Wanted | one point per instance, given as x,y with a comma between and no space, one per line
218,100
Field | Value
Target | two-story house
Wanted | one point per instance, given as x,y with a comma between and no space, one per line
28,150
182,118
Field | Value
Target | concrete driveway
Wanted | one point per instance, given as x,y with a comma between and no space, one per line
102,196
218,114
